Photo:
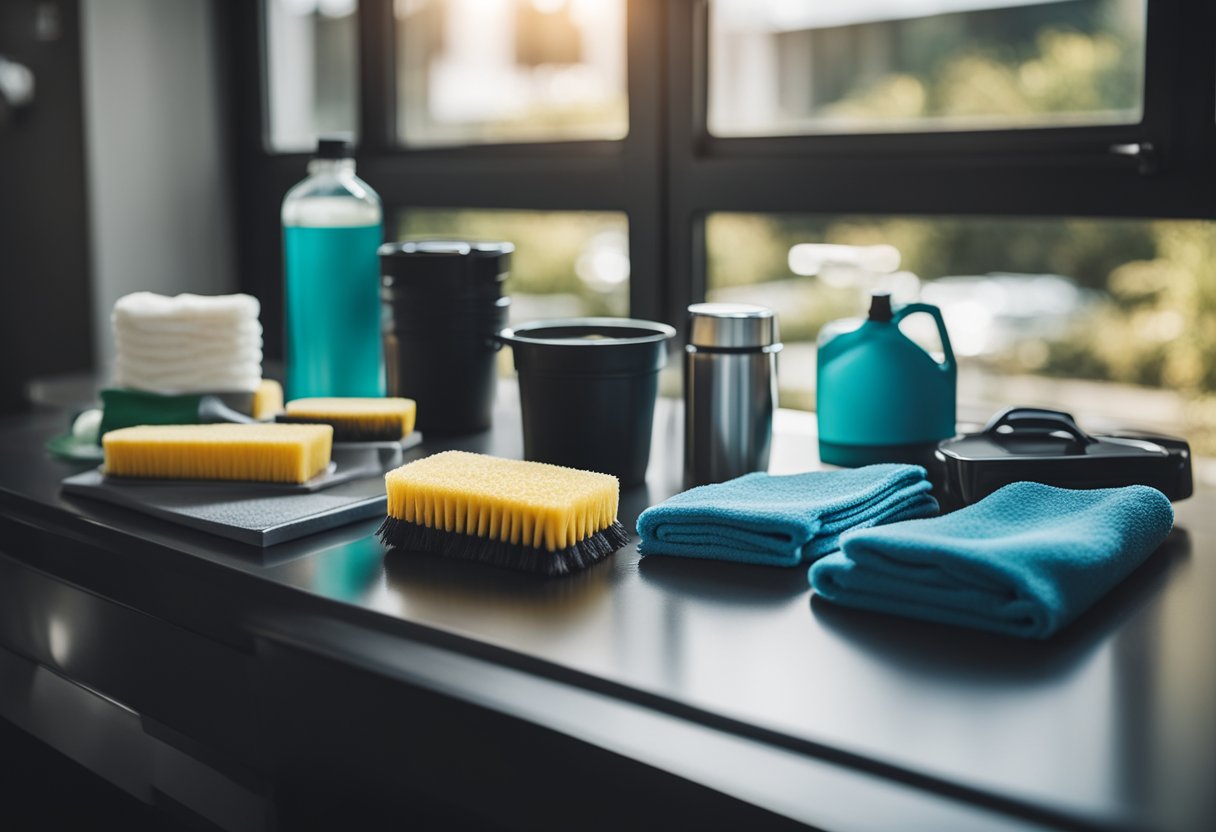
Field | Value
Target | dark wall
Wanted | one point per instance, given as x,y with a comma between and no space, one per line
45,302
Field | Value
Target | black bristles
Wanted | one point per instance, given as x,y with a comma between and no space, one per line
401,534
349,429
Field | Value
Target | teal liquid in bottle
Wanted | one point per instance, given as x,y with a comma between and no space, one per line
331,230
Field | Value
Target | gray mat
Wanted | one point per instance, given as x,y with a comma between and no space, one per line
250,513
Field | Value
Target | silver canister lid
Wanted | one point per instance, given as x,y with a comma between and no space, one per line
731,325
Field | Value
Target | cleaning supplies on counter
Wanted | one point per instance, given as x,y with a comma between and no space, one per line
730,390
1024,561
187,344
587,391
443,309
123,408
879,396
255,453
782,520
355,419
504,512
331,230
1047,446
187,359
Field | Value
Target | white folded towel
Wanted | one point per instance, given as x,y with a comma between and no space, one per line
188,343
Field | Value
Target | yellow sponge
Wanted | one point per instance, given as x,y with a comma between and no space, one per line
267,399
263,453
526,515
356,419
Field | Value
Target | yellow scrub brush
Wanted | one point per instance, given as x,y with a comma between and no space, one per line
505,512
255,453
355,419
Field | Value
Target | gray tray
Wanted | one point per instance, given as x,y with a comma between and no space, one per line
258,514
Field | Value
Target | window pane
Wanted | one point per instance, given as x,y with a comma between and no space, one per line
566,263
499,71
780,67
1108,319
312,71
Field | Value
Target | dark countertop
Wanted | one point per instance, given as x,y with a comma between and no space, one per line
1110,725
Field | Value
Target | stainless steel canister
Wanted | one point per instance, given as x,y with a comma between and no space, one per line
730,390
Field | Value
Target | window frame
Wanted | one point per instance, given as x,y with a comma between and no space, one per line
670,172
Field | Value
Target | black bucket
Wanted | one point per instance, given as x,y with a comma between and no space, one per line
587,389
442,308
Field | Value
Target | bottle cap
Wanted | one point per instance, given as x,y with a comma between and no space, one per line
880,306
731,325
336,146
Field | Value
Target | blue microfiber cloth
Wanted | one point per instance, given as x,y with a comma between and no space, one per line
782,520
1025,560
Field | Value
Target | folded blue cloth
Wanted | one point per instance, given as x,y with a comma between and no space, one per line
782,520
1025,560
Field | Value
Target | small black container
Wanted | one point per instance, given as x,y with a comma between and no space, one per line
1048,447
587,389
443,307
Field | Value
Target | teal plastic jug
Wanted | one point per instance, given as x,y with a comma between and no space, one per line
879,396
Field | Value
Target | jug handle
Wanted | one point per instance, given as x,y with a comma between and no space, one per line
929,308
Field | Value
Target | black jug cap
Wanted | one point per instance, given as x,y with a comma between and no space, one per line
880,306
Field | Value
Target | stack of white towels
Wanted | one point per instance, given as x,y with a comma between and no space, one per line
187,343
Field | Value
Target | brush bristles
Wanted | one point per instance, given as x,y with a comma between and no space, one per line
351,429
355,419
400,534
260,453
